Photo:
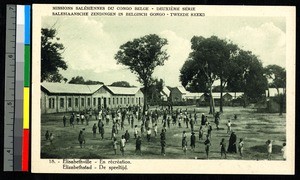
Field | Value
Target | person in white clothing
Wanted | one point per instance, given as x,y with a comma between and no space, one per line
283,150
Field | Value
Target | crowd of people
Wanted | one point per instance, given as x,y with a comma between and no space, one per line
145,128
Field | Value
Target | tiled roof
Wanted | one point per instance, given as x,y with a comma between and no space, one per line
166,91
123,90
182,89
65,88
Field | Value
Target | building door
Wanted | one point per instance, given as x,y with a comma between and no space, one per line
139,101
99,104
104,102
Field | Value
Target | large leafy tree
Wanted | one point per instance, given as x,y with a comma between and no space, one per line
208,62
276,76
248,76
141,56
51,58
80,80
121,84
154,90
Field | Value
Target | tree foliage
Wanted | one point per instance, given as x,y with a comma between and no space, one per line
248,76
154,90
214,59
141,56
51,59
276,76
121,84
208,62
80,80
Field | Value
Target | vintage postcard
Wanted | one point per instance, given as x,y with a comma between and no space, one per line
163,89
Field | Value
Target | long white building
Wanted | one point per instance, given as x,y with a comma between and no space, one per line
61,97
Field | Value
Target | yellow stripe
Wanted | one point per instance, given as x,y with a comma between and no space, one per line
26,108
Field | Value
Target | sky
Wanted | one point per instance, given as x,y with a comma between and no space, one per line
91,42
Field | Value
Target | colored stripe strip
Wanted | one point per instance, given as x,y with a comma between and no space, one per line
27,66
26,100
26,108
25,151
27,24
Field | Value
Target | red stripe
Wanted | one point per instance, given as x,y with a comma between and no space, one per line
25,149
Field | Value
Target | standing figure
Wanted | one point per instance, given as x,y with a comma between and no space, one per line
94,130
81,138
148,134
163,146
135,131
64,120
223,148
155,129
122,145
217,120
209,129
127,136
207,146
163,135
269,148
115,145
168,121
228,127
283,151
200,133
77,118
241,147
47,135
138,145
193,141
51,138
132,121
184,145
232,143
113,131
202,119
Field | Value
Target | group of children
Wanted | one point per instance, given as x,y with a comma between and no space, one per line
149,122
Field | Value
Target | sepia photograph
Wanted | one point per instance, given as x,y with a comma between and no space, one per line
172,84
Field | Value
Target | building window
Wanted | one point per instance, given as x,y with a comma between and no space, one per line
51,103
113,101
76,102
132,100
89,102
62,102
124,100
94,102
69,102
117,101
128,101
109,101
120,100
82,101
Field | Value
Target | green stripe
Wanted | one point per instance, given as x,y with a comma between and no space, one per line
27,66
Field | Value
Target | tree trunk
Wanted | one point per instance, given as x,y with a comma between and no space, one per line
212,102
145,100
221,97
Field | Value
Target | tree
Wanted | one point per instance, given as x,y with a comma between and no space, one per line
141,56
276,76
121,84
77,80
51,59
207,63
154,90
80,80
248,76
